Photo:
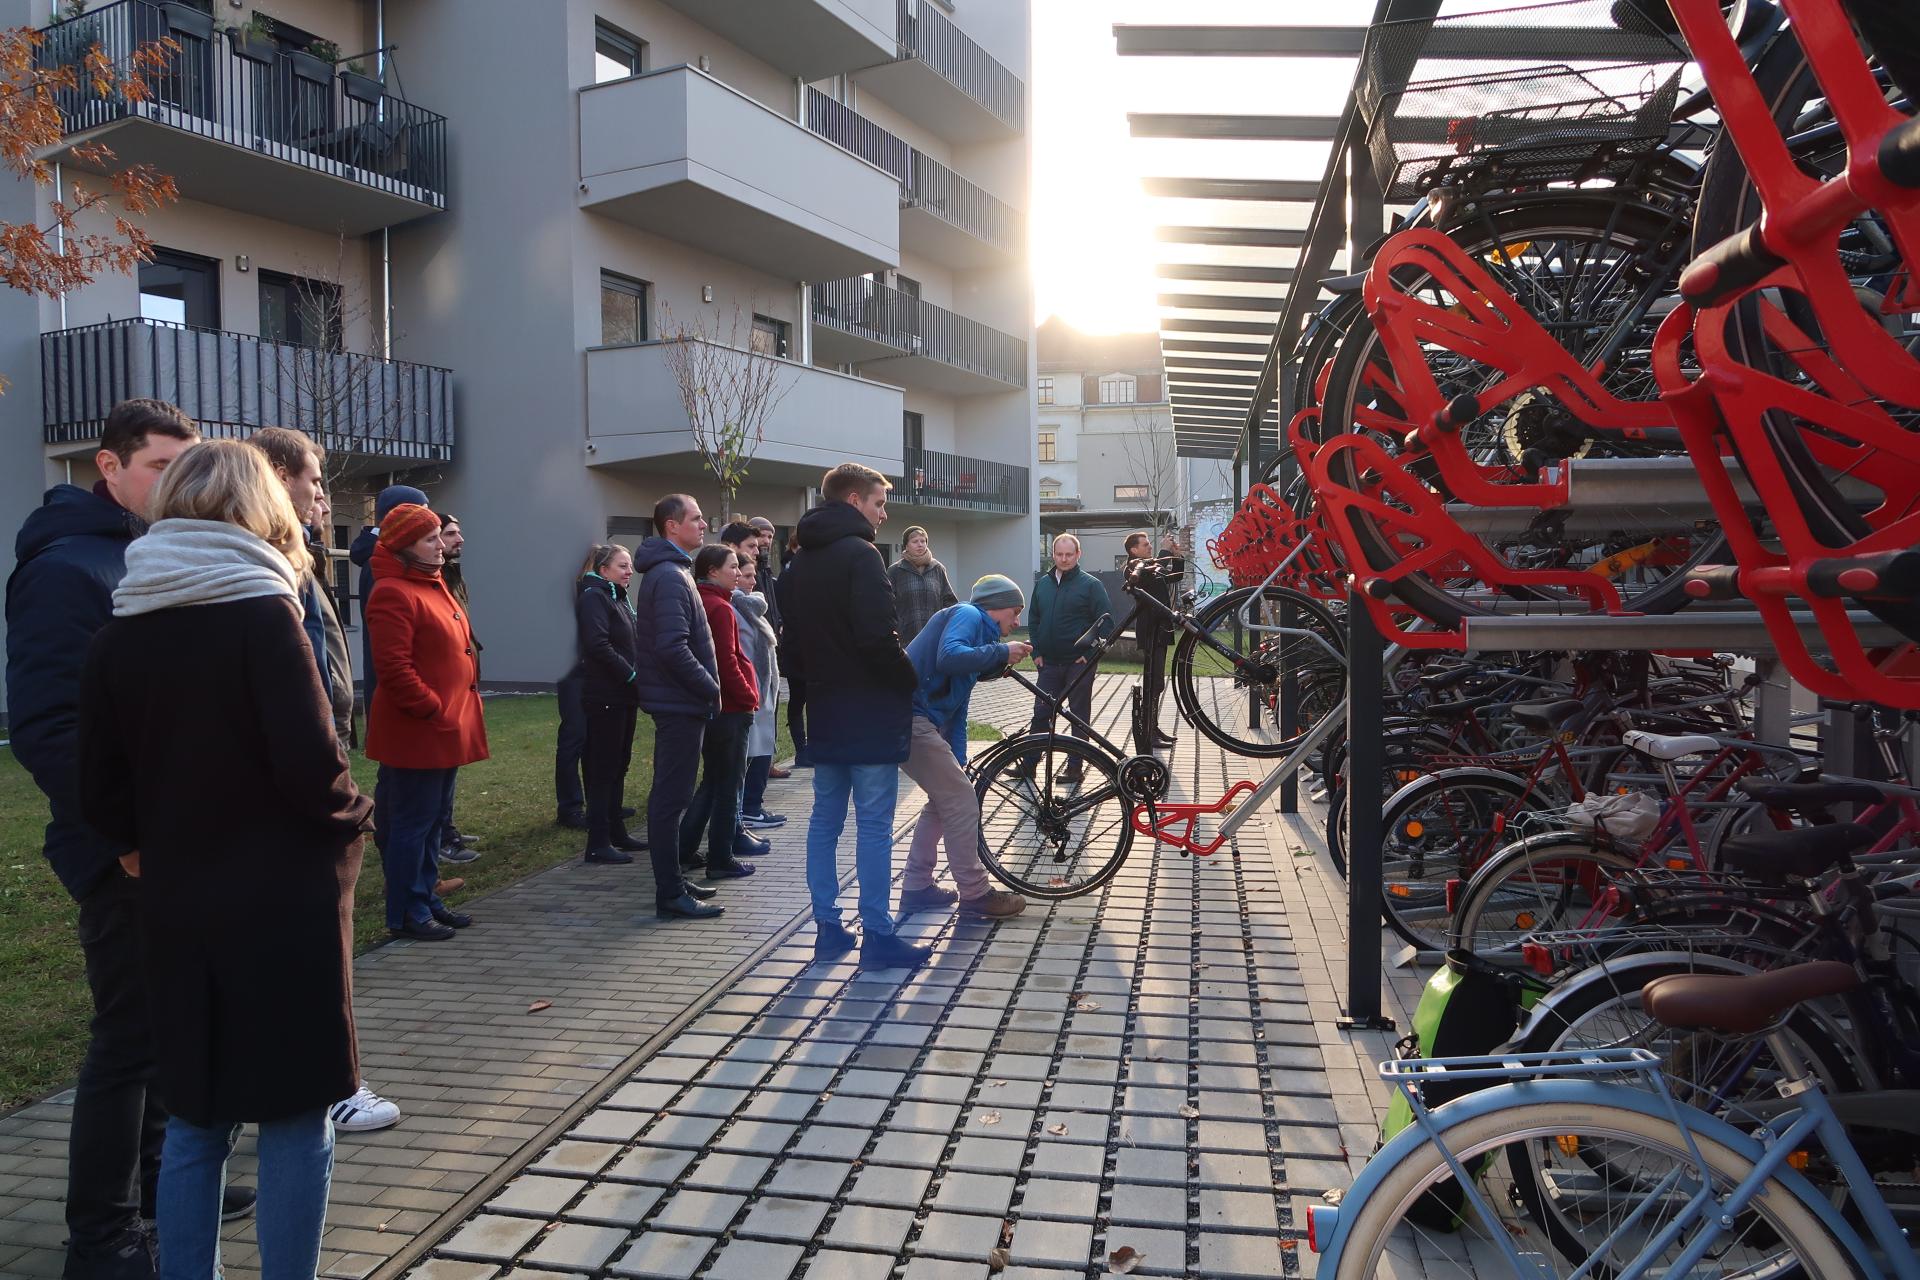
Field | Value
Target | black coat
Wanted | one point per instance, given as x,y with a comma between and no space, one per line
609,654
680,675
70,555
227,777
840,620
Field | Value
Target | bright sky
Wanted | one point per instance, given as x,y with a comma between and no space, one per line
1093,247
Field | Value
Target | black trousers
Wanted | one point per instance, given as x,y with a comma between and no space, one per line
797,714
568,795
676,762
609,750
1052,679
1153,684
715,806
113,1147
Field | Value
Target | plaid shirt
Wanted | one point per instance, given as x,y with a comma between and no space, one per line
918,594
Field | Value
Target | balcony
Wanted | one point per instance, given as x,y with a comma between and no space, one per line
949,482
942,215
272,131
905,340
231,383
680,154
809,39
635,415
945,82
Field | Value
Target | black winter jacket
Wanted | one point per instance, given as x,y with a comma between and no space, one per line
680,675
840,620
605,625
70,555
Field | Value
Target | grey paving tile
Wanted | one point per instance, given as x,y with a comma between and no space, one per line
728,1171
651,1164
974,1193
706,1212
442,1269
890,1185
839,1264
952,1235
661,1255
616,1204
536,1195
1240,1257
491,1237
581,1159
830,1142
1069,1160
1146,1204
757,1137
755,1260
1253,1211
574,1246
1059,1198
988,1155
784,1218
859,1226
1147,1164
1037,1242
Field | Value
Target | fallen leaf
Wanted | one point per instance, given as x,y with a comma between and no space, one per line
1058,882
994,1084
1006,1231
997,1260
1288,1245
381,1227
1057,1130
538,1005
1124,1259
1333,1195
989,1117
1086,1006
1188,1110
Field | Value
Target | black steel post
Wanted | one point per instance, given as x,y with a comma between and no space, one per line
1289,706
1366,761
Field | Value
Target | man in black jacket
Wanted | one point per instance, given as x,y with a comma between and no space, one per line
1153,632
860,689
70,555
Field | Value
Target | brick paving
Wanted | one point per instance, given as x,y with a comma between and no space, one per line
1154,1066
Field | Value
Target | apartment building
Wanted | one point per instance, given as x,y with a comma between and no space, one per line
1105,456
781,179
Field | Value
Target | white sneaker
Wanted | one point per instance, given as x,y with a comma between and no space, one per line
364,1112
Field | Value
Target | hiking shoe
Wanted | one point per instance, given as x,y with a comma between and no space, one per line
886,951
364,1112
927,899
995,904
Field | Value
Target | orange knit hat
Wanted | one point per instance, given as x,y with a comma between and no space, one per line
406,524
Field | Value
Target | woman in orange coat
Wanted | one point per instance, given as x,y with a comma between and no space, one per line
425,721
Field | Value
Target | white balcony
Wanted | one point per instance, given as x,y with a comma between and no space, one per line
811,39
680,154
635,416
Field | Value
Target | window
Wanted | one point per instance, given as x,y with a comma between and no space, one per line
913,430
306,313
623,310
1046,446
1117,389
1129,493
616,55
1049,489
770,336
181,288
1045,386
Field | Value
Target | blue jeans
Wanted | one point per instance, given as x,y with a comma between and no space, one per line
296,1168
416,801
873,789
753,793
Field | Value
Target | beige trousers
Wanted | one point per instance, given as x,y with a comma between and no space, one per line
952,814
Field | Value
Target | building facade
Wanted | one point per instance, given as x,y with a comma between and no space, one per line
825,193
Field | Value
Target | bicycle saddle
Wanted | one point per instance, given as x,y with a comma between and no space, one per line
1740,1004
1458,707
1548,717
1438,681
1803,851
1668,746
1810,795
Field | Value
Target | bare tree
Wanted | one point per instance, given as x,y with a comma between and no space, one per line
728,390
1149,450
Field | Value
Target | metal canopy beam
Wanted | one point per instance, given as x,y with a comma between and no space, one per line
1195,362
1278,191
1245,237
1193,324
1221,302
1224,271
1173,124
1212,379
1492,44
1223,348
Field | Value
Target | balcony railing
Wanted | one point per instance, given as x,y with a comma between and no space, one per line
882,314
925,183
233,383
929,35
948,480
276,101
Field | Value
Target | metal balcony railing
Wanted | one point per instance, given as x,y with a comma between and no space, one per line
929,35
232,383
879,313
949,480
277,101
925,183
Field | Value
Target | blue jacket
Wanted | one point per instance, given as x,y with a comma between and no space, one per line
958,645
70,555
678,674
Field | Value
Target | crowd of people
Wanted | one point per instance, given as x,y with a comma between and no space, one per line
176,624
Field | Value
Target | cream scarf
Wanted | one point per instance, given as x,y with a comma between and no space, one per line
188,562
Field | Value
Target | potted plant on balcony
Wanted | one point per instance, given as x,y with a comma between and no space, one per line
185,20
253,40
361,87
314,63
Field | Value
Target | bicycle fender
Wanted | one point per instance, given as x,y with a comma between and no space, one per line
1443,778
1332,1223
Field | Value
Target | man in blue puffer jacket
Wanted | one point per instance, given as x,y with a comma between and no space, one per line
959,645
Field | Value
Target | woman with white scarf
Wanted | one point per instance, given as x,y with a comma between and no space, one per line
759,643
207,746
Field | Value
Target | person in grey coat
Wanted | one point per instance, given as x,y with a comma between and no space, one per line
920,586
758,642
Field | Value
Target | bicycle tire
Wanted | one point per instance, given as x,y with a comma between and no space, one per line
1026,824
1556,856
1377,1227
1213,690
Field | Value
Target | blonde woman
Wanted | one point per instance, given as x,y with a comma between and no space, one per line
207,746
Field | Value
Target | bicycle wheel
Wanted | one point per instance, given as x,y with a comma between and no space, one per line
1053,819
1226,678
1586,1213
1546,883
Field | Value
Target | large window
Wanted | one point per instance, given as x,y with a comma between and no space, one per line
623,310
1129,493
306,313
1046,446
1117,389
616,55
1045,387
770,336
182,288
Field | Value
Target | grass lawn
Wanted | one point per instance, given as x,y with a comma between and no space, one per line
44,1006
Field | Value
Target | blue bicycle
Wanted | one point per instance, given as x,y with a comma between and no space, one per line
1631,1182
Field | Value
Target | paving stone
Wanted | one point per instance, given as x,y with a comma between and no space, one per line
661,1255
651,1164
1239,1257
642,1095
737,1075
1151,1131
864,1112
803,1079
1238,1211
491,1237
859,1226
828,1142
991,1121
692,1132
710,1100
890,1185
1037,1242
949,1089
924,1117
581,1159
953,1235
1146,1164
574,1246
1230,1135
728,1171
533,1194
609,1126
437,1269
925,1268
988,1155
838,1264
1161,1252
788,1108
616,1204
708,1212
757,1137
1145,1204
1069,1160
917,1150
1059,1198
755,1260
974,1193
815,1179
783,1218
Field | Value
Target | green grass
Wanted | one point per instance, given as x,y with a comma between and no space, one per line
506,801
980,732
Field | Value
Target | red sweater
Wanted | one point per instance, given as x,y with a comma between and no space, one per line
739,687
426,703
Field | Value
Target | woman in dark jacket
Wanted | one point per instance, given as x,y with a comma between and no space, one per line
920,586
610,661
723,751
207,745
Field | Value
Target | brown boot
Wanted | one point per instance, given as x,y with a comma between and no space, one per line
995,904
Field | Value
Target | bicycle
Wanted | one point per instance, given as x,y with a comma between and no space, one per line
1637,1183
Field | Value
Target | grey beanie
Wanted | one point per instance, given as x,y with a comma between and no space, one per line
997,591
395,494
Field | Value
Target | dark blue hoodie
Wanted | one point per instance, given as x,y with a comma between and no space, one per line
677,673
70,555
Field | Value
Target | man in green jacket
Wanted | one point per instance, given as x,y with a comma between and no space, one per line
1066,601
